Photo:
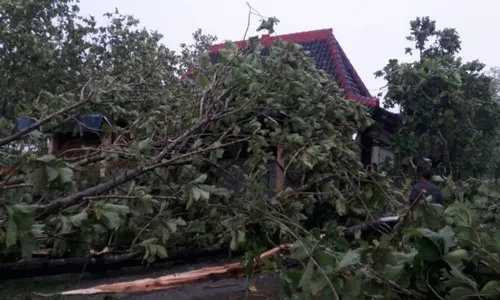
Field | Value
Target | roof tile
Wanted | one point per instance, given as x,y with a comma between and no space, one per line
329,57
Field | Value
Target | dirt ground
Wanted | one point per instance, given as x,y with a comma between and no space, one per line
224,289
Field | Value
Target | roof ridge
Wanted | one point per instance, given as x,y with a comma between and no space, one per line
282,36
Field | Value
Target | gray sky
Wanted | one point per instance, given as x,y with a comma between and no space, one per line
370,31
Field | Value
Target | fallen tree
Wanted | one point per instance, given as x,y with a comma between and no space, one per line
241,154
201,167
99,263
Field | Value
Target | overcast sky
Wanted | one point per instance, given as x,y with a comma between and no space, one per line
370,31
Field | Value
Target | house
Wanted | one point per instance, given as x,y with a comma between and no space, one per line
77,137
328,54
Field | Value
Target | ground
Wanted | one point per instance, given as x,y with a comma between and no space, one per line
223,289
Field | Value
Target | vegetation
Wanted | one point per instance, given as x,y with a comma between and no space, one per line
448,107
197,171
433,253
202,147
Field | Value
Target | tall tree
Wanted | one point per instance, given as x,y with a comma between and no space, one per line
495,83
448,106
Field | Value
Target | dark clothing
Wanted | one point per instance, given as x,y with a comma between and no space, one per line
437,197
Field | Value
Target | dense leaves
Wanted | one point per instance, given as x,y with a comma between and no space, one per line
253,148
439,253
200,168
450,112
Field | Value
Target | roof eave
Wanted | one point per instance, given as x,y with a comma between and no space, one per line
308,36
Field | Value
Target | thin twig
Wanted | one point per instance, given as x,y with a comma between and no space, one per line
15,186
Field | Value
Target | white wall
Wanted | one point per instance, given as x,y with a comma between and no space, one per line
379,154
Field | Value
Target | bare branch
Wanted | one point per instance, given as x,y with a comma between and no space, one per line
15,186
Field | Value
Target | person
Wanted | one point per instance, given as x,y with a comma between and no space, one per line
428,188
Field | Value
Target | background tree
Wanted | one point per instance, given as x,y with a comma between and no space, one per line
449,110
495,83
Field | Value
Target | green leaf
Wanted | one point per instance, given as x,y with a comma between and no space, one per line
299,251
462,293
219,153
447,234
46,158
293,277
449,114
154,251
415,233
65,225
197,144
349,259
234,241
20,228
240,237
353,287
12,234
161,251
400,275
325,260
28,245
120,209
112,215
491,289
163,233
39,179
340,206
368,194
201,178
111,219
172,226
307,277
51,173
459,254
197,194
317,286
145,145
23,209
236,130
65,174
80,217
204,80
431,247
180,221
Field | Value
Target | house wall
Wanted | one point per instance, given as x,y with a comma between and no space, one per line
235,179
72,146
380,153
374,145
375,132
64,143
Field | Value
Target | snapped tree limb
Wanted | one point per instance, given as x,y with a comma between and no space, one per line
159,160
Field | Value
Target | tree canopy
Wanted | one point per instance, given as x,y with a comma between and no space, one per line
449,111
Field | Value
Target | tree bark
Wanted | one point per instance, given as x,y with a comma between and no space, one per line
44,211
97,263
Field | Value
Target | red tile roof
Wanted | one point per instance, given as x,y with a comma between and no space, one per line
329,56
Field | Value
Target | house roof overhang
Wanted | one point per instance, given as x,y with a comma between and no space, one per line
329,57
